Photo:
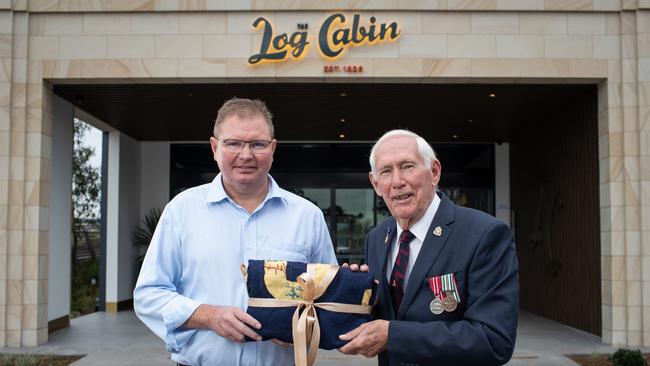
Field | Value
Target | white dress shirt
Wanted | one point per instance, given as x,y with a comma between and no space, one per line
419,230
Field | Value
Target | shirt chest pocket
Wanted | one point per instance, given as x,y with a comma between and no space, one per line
283,251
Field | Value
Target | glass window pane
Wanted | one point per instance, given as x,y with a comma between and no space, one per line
354,218
381,210
321,197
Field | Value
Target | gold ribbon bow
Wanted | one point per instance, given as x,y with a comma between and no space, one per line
304,324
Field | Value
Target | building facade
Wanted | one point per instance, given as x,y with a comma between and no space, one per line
48,44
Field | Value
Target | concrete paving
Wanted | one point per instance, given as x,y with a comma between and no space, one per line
121,339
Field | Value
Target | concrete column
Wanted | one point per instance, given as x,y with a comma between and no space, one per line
122,217
154,175
59,283
639,293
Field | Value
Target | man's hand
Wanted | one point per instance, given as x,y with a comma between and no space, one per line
227,321
355,267
368,339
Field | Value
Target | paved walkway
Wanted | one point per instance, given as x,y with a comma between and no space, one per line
121,339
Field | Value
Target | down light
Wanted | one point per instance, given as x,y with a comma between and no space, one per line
341,135
492,95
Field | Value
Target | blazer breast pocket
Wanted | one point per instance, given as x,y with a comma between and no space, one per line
445,295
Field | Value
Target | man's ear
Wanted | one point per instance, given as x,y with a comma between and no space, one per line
436,169
214,144
373,181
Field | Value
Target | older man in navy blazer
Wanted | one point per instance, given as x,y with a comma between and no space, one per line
448,274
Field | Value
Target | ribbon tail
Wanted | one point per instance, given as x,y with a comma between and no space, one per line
315,341
299,337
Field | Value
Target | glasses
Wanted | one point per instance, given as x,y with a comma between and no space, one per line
236,146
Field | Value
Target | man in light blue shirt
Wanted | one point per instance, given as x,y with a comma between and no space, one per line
191,292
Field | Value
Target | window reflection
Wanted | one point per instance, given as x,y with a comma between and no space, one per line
355,216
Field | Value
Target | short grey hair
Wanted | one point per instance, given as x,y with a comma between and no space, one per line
425,150
244,108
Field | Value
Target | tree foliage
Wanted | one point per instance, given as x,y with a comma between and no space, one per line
86,189
85,178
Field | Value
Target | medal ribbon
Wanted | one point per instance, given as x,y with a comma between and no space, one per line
449,285
435,283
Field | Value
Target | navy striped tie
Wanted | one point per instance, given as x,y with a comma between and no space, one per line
396,283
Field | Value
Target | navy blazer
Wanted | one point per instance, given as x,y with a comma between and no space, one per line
480,251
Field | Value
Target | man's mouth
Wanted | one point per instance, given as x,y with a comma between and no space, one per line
246,168
402,197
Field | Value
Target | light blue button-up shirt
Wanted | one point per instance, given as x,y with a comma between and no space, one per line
194,258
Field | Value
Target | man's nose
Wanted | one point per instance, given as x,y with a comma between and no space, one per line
246,152
397,178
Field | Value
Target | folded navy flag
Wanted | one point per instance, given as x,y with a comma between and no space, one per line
279,280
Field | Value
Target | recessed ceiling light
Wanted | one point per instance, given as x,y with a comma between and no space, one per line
492,95
470,120
454,136
341,135
342,119
344,94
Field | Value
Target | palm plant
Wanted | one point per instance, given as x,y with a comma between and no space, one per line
143,234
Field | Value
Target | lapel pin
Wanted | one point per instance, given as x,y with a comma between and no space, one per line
437,231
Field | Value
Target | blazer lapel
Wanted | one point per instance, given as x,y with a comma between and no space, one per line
429,252
382,253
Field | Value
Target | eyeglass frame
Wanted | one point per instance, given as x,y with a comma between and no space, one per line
248,142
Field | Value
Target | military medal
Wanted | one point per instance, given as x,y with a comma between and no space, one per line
436,306
448,285
445,293
449,303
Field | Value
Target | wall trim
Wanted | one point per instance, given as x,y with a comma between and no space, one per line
58,323
114,307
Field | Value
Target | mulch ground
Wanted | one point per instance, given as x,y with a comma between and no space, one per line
597,359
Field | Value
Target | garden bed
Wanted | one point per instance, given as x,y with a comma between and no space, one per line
14,359
597,359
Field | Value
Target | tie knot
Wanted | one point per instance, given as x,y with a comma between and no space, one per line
406,237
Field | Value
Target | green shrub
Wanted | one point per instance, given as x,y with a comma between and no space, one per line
628,357
6,359
84,288
19,360
27,360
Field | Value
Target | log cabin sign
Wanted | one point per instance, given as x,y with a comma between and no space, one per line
336,34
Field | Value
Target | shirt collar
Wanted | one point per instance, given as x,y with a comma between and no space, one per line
216,192
419,229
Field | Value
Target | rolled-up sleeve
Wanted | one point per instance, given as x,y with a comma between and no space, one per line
156,299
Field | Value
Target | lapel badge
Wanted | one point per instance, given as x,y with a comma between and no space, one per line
437,231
